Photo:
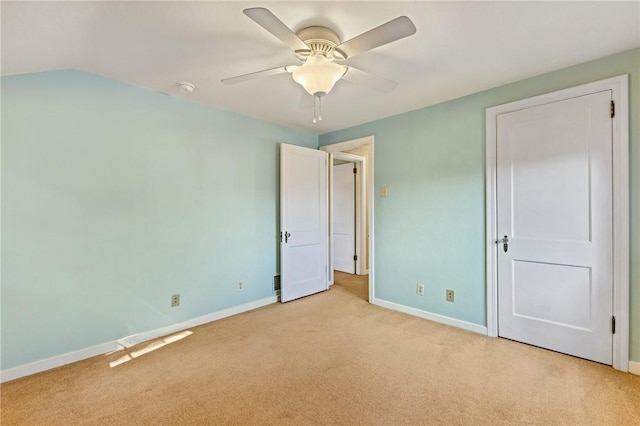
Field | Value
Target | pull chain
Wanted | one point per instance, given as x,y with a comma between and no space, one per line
317,108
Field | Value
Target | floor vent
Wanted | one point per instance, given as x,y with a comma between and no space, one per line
276,283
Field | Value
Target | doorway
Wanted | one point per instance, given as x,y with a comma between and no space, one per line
359,151
347,213
557,221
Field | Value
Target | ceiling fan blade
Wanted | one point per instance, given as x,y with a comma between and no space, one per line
245,77
393,30
271,23
381,84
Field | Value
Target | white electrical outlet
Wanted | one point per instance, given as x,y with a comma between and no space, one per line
420,289
240,286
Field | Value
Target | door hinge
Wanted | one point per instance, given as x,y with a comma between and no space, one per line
613,325
355,170
612,109
355,257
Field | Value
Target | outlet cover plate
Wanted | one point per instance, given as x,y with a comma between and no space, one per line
450,295
175,300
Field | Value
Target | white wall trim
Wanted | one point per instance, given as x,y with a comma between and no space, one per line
79,355
56,361
634,367
194,322
620,95
347,145
431,316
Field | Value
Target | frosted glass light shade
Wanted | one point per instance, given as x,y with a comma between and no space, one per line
318,74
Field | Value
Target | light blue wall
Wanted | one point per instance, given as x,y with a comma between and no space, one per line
114,198
431,227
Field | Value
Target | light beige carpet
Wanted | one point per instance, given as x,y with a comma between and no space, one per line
331,358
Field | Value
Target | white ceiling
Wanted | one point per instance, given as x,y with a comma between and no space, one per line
459,48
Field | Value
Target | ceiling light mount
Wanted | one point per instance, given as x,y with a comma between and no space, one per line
321,40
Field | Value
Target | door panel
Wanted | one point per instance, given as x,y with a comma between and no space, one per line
554,192
344,238
557,294
303,221
557,158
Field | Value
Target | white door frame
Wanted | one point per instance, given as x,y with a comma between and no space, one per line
620,129
361,218
351,144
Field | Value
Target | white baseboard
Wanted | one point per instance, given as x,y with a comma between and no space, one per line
634,366
175,328
431,316
71,357
56,361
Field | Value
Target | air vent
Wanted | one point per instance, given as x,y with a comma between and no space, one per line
276,283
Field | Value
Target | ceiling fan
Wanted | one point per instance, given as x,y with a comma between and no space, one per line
320,48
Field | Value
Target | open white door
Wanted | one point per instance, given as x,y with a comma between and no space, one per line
303,221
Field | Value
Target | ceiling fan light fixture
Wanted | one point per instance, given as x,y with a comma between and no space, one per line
318,47
318,74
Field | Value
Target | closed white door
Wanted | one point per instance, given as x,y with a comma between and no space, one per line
344,214
554,195
303,222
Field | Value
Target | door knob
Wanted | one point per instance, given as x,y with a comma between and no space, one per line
286,237
505,243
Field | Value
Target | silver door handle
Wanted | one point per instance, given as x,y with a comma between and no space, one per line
286,237
505,243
